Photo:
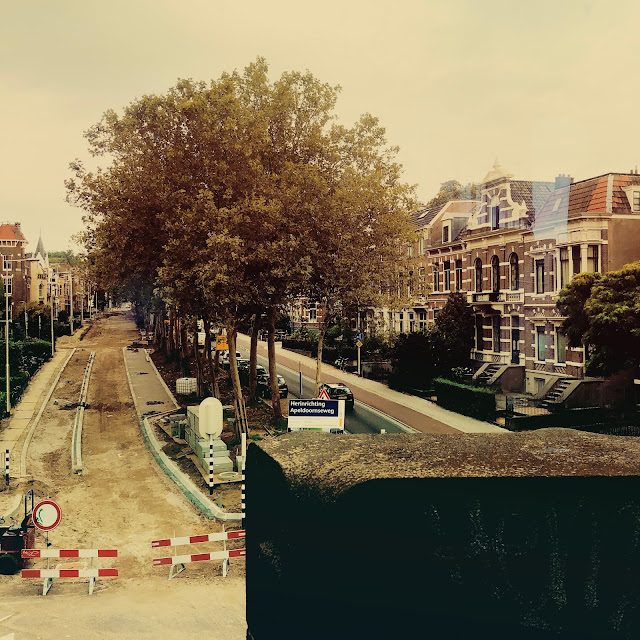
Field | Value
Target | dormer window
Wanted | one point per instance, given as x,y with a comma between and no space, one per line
445,233
633,196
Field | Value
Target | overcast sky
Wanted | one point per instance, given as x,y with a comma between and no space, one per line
547,87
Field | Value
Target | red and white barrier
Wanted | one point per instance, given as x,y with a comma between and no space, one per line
69,573
69,553
207,537
177,562
50,574
198,557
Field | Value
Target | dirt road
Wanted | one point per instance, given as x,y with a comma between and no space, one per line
121,501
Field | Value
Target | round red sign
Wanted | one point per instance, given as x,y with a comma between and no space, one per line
47,515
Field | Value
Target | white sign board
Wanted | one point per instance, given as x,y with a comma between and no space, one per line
210,418
47,515
316,415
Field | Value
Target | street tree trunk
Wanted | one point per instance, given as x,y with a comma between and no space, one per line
215,391
196,353
241,419
185,364
253,354
325,325
273,377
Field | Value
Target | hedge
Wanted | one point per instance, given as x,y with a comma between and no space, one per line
476,402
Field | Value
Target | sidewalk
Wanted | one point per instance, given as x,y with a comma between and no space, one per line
422,415
151,396
25,415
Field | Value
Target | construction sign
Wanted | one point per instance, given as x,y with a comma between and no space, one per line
221,343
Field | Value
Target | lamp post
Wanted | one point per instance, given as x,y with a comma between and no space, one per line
53,338
6,344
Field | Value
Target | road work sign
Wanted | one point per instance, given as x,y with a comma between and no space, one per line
316,415
221,343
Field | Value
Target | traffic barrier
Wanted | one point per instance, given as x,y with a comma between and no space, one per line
7,454
177,562
50,574
243,440
205,537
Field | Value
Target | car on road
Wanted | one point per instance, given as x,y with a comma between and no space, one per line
339,391
264,386
225,358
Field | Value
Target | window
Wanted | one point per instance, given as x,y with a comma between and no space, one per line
575,258
636,200
459,275
312,315
7,285
592,258
561,346
540,276
479,343
564,267
436,278
495,273
6,263
495,217
420,246
478,267
514,272
541,347
421,280
445,233
447,275
496,334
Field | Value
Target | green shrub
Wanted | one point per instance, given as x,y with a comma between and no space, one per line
18,383
34,354
476,402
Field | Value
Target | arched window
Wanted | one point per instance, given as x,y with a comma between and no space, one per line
495,273
478,265
514,272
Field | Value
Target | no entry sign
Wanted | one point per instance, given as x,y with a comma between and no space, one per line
47,515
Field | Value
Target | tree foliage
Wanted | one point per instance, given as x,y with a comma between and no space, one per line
603,312
230,198
453,190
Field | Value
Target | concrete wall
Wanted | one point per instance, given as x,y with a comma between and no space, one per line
529,535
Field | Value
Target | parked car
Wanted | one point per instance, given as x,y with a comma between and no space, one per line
243,371
264,386
225,358
339,391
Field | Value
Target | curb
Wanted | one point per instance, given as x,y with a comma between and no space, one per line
188,488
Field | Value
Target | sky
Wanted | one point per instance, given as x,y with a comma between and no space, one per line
546,87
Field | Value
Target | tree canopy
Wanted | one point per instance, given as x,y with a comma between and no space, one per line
233,197
603,312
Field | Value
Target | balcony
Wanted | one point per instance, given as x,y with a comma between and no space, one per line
487,297
498,358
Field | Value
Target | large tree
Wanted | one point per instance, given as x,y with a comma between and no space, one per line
603,313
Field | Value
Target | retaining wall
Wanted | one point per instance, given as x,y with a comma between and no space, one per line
519,535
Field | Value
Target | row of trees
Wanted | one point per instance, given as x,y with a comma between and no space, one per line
226,200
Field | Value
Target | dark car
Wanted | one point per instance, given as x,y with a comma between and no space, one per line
264,386
339,391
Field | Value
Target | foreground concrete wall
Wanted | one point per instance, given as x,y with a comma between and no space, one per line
529,535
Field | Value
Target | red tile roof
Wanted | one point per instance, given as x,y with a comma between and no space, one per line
11,232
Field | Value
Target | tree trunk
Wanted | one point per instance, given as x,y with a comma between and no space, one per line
185,363
253,354
325,325
215,391
273,377
196,353
172,342
241,420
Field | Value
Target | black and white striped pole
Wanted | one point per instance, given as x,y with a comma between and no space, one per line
6,467
210,467
243,440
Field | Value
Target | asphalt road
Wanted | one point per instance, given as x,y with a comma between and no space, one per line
363,418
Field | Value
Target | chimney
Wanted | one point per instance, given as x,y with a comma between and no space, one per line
563,181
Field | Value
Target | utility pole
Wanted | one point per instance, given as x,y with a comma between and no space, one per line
53,337
6,344
71,299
